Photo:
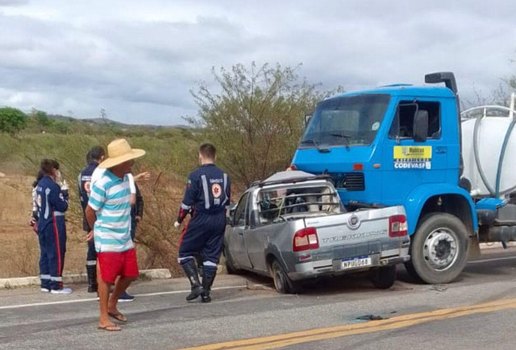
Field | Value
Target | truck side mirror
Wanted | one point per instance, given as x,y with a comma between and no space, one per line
420,126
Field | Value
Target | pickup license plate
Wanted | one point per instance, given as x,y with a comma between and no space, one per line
357,262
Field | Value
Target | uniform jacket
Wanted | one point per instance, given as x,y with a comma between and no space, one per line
207,192
51,201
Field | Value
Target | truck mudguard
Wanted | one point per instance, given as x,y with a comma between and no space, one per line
420,195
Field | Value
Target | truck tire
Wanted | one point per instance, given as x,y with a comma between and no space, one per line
383,277
439,249
230,266
282,283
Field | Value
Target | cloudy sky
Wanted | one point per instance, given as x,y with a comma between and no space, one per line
138,60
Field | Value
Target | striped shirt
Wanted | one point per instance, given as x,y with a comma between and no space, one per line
110,198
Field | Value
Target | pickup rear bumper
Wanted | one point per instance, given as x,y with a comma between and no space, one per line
329,267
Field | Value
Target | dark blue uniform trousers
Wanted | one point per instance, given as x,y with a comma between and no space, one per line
52,243
205,236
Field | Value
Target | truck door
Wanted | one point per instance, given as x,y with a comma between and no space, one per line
237,247
411,163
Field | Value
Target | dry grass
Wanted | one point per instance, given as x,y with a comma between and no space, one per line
156,237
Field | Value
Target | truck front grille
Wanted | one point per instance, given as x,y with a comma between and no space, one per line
350,181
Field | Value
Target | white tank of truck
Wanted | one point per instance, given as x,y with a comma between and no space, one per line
489,149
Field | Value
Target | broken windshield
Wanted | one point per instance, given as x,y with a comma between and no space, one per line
346,121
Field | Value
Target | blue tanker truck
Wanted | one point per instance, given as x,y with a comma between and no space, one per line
405,145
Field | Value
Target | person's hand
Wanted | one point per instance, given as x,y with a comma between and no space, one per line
64,186
145,176
177,224
89,236
34,224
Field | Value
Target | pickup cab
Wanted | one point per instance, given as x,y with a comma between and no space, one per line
293,227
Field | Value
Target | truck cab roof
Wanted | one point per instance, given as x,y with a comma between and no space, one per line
405,90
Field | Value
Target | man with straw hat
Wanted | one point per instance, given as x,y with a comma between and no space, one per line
109,213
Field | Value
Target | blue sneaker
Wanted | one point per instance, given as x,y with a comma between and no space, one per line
125,297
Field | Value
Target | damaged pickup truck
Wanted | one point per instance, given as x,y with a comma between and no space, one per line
293,227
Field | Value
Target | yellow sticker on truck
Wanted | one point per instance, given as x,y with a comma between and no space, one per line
412,157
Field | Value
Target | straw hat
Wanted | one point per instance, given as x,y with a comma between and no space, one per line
119,151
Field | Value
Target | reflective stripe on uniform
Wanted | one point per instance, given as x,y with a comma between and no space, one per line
206,193
225,188
208,263
47,208
185,258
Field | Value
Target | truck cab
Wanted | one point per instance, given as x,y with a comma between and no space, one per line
399,145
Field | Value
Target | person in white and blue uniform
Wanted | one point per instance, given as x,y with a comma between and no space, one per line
52,202
95,155
206,197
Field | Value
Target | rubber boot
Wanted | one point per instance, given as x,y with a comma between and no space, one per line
92,278
208,277
190,268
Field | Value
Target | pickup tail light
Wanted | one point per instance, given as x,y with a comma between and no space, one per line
305,239
398,226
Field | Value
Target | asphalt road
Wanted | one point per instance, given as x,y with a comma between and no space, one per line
476,312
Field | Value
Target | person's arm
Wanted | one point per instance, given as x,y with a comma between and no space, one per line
188,200
34,204
145,176
139,205
91,217
95,203
58,198
132,188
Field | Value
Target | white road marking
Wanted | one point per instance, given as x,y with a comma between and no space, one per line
493,259
95,299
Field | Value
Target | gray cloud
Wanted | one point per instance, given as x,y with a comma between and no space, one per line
13,2
139,60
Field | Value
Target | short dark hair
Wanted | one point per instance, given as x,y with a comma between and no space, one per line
208,150
95,153
47,165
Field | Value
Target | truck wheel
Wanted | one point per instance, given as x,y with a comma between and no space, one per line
439,250
282,283
383,277
230,266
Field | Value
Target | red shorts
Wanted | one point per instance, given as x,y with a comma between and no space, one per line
114,264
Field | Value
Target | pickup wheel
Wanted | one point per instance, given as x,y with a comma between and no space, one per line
439,250
282,283
383,277
230,266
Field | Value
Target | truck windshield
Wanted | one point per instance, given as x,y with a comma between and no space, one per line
346,120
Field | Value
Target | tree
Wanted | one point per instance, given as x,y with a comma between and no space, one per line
12,120
256,119
41,118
